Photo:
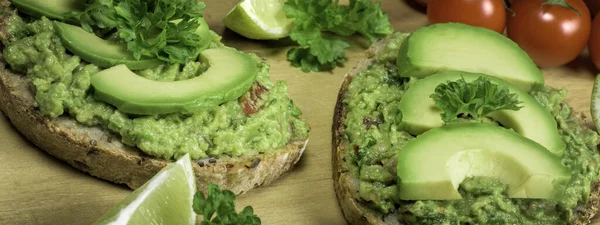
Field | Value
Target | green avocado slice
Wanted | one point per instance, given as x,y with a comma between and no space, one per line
105,53
456,46
54,9
532,121
432,166
100,52
231,73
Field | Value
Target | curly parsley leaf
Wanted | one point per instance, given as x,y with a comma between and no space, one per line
476,99
324,54
317,22
366,18
218,208
163,29
97,13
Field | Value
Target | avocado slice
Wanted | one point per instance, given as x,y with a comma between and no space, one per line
231,73
54,9
532,121
105,53
100,52
432,166
456,46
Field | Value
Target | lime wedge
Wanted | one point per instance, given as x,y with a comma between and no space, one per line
259,19
165,199
595,105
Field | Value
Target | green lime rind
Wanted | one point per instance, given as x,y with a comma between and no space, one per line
165,199
244,20
595,104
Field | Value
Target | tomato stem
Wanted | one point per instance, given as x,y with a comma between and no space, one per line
562,3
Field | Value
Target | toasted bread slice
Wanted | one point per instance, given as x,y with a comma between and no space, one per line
346,186
101,154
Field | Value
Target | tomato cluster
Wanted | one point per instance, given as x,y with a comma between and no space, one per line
552,32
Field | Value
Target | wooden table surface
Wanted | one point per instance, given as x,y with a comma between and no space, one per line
36,188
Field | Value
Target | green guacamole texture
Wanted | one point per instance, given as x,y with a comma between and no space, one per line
374,134
61,82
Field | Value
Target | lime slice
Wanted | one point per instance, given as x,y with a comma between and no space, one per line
259,19
165,199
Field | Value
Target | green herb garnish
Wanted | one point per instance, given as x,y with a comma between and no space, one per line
218,208
475,99
316,20
164,29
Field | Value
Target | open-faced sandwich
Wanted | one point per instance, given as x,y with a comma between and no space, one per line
453,124
120,88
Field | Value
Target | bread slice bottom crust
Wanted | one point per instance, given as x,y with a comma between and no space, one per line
103,155
346,186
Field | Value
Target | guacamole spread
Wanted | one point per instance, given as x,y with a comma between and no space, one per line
61,82
374,135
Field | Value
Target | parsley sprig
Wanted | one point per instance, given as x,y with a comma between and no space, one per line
318,23
475,99
218,208
164,29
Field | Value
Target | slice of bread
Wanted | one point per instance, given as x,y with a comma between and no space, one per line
346,186
101,154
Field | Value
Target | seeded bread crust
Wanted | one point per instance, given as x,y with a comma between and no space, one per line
346,186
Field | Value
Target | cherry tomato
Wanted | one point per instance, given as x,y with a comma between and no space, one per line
490,14
552,35
594,42
593,5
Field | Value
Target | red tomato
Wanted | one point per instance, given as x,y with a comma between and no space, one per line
594,42
490,14
250,102
593,5
552,35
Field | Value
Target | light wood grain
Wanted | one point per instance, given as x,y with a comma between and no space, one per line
38,189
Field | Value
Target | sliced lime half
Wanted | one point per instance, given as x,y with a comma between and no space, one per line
167,198
259,19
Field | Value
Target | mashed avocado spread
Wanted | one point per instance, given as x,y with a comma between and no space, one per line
374,136
62,88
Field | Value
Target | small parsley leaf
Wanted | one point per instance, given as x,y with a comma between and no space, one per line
475,99
163,29
318,23
218,208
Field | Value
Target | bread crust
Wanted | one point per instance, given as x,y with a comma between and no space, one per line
101,154
346,186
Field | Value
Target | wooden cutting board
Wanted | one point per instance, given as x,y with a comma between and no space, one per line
35,188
